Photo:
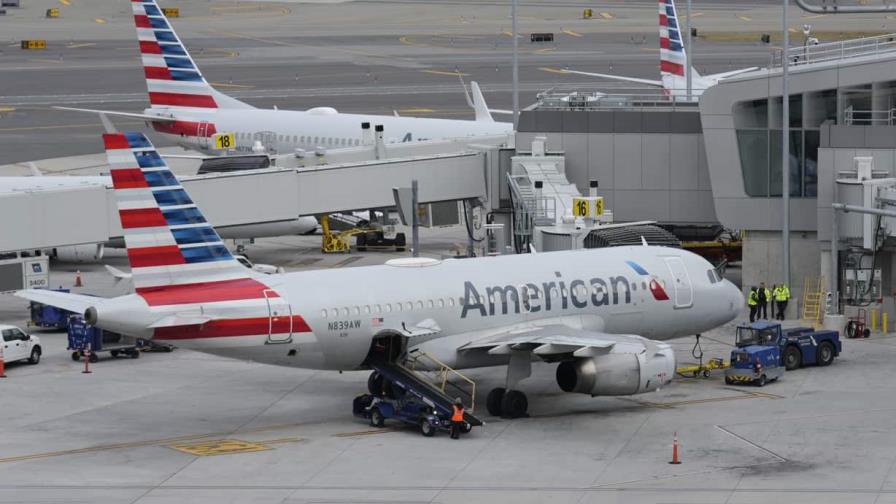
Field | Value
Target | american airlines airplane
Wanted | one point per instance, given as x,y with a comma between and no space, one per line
184,106
589,311
672,62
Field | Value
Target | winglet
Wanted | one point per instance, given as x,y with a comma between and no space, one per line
479,105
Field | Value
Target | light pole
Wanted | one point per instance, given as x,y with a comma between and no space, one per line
516,67
687,50
785,151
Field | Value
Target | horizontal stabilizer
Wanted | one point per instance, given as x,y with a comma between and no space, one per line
181,319
648,82
117,273
77,303
131,115
732,73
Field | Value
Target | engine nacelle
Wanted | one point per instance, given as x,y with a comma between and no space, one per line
80,253
617,373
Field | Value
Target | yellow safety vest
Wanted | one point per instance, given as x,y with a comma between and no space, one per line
768,295
753,300
782,293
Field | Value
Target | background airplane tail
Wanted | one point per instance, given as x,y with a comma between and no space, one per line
169,242
672,58
172,77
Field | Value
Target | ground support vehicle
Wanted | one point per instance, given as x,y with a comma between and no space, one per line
798,346
757,364
49,316
18,345
82,337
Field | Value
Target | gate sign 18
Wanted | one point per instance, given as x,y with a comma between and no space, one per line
224,141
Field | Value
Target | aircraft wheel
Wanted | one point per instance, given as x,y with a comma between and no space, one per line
729,381
514,404
76,355
493,401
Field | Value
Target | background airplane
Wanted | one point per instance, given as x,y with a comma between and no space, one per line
184,106
590,311
673,80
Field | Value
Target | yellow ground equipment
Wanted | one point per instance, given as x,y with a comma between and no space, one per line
34,44
53,13
696,370
336,243
171,12
587,13
813,298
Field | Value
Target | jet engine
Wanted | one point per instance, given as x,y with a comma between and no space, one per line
79,253
617,373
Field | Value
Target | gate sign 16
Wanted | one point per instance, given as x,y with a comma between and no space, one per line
588,207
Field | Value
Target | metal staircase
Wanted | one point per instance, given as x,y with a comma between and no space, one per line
813,300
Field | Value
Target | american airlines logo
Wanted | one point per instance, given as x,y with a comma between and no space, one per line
578,293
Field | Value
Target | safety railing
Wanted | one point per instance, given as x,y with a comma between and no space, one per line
852,116
594,100
532,209
833,51
444,377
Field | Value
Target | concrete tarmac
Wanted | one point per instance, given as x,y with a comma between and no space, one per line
366,57
189,427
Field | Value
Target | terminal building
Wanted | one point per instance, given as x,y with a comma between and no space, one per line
719,162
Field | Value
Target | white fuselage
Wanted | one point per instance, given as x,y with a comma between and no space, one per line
286,130
467,300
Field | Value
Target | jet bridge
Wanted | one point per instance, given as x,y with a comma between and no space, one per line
40,217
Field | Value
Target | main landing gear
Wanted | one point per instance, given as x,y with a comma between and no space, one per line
507,402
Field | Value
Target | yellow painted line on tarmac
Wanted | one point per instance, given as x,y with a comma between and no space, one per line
65,2
696,14
553,70
7,109
545,50
416,110
219,447
816,16
743,18
607,15
508,33
443,72
650,49
571,33
228,85
372,432
44,60
100,21
85,44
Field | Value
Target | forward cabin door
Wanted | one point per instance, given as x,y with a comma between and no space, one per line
683,289
279,318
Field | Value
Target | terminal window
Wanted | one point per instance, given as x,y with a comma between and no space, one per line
758,129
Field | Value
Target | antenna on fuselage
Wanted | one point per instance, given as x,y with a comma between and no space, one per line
643,241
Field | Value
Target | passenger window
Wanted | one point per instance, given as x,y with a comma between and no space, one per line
419,305
451,302
430,304
634,286
334,312
441,303
388,308
323,313
357,310
367,309
345,312
409,305
644,285
397,307
377,308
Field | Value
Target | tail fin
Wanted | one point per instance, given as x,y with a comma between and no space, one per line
479,105
172,77
672,59
168,241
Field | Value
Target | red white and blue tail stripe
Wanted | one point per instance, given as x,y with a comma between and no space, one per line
672,59
169,242
172,77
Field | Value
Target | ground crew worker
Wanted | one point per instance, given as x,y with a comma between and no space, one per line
457,418
781,295
753,303
764,296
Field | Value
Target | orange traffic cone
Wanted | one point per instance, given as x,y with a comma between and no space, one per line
675,449
2,364
78,279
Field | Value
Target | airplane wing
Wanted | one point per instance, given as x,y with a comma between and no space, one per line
732,73
557,340
77,303
648,82
132,115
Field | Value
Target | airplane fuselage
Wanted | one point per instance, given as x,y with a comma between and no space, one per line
286,130
327,319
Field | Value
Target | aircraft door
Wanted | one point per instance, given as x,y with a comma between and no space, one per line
279,318
202,134
684,290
